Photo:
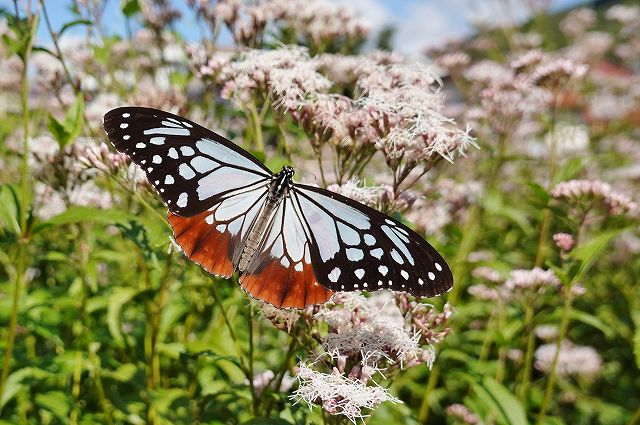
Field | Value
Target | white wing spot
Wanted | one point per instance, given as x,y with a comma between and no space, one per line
182,200
173,153
396,256
359,273
167,131
334,275
186,171
285,262
438,266
209,219
202,164
355,285
369,239
355,254
140,145
348,235
124,125
432,276
186,124
377,253
404,274
150,169
126,115
383,270
126,137
379,283
187,150
157,140
365,284
341,286
298,267
157,182
168,179
157,159
420,281
389,222
221,228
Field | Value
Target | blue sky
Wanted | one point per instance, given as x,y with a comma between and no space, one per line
418,23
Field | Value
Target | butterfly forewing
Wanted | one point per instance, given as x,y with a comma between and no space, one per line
190,167
358,248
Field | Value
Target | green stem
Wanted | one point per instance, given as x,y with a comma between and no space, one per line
467,245
256,124
423,414
528,359
564,326
24,194
218,301
254,396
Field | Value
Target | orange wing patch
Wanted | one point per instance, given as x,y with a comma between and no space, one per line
203,243
285,287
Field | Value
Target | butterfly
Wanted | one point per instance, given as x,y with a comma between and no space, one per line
293,245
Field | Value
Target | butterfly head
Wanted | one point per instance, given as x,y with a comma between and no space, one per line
280,182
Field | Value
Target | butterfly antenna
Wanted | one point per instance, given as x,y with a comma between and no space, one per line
305,171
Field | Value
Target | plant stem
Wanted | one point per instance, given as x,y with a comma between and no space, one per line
254,396
423,414
564,326
528,359
24,195
467,245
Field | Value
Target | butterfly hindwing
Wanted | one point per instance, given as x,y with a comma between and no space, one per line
190,166
281,272
356,247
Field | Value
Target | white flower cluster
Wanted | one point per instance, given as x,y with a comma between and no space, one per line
573,359
616,202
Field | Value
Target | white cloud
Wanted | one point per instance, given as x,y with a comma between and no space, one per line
428,24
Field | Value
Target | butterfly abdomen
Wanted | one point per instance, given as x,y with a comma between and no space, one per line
257,231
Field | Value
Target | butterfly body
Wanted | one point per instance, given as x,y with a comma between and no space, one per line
293,244
278,189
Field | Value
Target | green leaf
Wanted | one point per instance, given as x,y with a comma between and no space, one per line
56,402
9,209
592,320
266,421
130,7
66,131
570,170
72,24
85,214
124,373
118,299
15,382
636,346
589,251
500,402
